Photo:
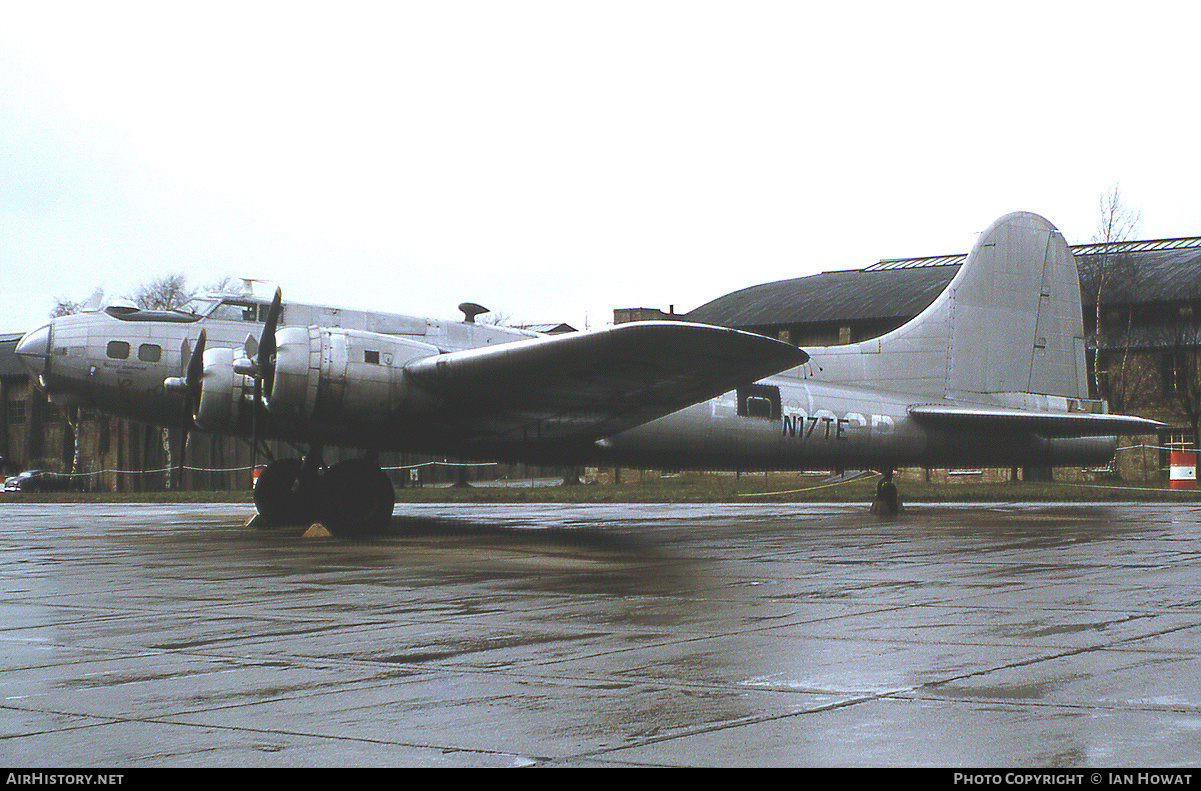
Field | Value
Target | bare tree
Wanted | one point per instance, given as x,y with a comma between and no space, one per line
163,293
1111,275
65,307
497,319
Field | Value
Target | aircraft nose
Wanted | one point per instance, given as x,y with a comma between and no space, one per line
34,349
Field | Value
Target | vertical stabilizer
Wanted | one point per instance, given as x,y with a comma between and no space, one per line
1009,322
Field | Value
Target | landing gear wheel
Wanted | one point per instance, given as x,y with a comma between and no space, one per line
278,498
888,501
358,498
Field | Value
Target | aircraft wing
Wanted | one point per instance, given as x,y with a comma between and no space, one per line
1046,424
589,385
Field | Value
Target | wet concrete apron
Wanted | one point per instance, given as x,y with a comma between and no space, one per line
568,635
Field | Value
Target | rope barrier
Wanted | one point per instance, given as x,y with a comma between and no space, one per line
445,464
809,488
161,470
1053,483
1120,488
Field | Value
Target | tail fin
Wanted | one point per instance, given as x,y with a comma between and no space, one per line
1008,323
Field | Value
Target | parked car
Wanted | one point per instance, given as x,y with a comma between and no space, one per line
38,481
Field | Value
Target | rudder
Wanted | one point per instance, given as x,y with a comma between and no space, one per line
1009,322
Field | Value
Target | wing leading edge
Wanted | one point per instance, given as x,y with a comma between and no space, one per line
1046,424
592,384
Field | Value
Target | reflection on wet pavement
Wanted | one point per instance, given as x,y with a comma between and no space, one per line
569,635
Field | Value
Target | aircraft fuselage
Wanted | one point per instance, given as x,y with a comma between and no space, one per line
788,421
831,426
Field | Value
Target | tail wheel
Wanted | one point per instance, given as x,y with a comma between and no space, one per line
358,498
279,498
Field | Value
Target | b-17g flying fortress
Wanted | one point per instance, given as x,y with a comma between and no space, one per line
992,372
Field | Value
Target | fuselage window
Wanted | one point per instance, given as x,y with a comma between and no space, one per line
150,353
761,401
118,350
371,357
758,407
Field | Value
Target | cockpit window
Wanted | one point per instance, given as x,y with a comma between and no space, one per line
228,311
242,311
198,306
118,350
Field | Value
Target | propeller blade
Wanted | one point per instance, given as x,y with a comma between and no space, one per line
266,355
191,399
254,428
265,372
195,374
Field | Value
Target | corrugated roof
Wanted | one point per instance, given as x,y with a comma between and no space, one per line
913,263
849,295
547,329
1159,270
1152,275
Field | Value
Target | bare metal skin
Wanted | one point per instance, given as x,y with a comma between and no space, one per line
991,373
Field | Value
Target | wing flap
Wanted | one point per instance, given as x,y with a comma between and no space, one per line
591,384
1045,424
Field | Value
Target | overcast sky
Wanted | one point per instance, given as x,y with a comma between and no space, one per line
557,160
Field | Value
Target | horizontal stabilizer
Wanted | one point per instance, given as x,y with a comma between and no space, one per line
588,385
999,420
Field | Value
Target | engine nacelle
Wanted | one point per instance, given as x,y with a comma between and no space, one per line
330,375
221,390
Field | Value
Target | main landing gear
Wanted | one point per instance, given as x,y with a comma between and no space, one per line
352,498
888,500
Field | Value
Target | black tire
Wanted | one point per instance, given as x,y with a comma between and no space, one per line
357,499
278,500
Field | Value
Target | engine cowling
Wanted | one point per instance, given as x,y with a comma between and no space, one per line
330,375
221,391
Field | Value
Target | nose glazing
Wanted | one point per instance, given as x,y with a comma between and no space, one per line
34,350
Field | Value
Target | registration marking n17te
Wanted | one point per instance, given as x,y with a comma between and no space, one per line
799,425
